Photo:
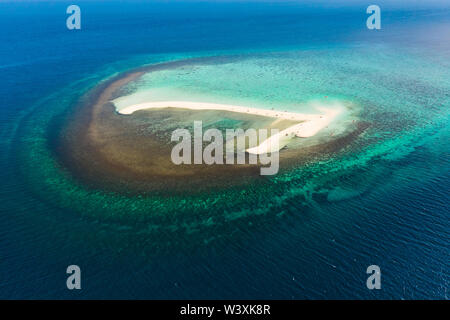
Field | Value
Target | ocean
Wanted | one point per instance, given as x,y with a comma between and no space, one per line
312,234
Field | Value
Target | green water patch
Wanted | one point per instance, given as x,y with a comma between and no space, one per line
402,119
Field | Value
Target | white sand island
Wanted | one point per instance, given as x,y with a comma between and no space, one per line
308,126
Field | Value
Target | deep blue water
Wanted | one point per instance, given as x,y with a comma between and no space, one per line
401,223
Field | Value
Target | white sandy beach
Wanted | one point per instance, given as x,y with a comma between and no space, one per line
308,126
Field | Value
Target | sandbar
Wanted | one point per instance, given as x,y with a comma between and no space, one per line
308,124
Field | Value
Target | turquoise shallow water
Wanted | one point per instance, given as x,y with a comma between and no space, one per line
398,124
307,233
286,80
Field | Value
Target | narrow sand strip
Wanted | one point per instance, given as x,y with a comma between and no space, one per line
310,124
